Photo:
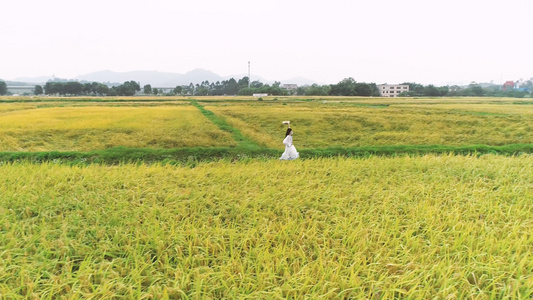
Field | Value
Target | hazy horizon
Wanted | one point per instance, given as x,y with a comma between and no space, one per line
385,41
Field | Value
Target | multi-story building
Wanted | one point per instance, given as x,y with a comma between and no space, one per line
291,88
21,90
392,90
508,86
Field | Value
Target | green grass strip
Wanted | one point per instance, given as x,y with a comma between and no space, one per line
242,141
119,155
511,149
191,156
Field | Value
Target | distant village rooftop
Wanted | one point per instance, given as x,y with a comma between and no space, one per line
392,90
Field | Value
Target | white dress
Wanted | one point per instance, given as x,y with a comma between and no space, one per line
290,151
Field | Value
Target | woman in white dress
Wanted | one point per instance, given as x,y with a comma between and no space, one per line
290,151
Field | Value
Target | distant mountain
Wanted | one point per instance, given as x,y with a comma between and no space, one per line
165,79
154,78
144,77
300,81
20,83
198,75
161,79
487,84
38,79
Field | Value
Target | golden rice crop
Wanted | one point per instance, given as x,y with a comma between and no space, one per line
442,227
318,125
496,109
4,108
96,127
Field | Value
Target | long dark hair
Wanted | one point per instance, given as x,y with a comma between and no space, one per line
288,132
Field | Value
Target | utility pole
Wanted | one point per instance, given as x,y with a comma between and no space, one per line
249,79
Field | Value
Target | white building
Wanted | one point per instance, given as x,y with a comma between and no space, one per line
21,90
392,90
291,88
160,91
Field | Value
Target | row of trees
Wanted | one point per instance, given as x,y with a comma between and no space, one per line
129,88
3,88
349,87
220,88
232,87
475,89
472,90
346,87
74,88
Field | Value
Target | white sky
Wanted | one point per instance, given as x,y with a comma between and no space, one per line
382,41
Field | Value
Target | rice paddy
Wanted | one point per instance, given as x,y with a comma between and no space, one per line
96,127
416,227
330,125
442,226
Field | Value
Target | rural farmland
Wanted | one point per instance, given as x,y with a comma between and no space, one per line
186,198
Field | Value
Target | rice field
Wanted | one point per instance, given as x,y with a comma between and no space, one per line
321,125
448,227
5,108
83,124
413,226
73,128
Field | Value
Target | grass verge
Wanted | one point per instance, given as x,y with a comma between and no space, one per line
191,156
242,141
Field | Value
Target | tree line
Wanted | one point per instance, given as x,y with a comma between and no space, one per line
242,87
472,90
346,87
349,87
130,88
3,88
74,88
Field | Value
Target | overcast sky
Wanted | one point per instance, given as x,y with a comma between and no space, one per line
382,41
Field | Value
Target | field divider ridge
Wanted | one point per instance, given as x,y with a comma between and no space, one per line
193,155
242,141
118,155
417,150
